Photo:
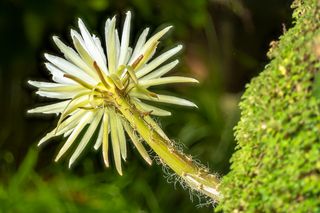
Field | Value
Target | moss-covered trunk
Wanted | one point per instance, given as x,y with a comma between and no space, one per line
276,167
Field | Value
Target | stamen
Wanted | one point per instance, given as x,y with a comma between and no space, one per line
126,84
116,80
100,74
93,97
86,108
121,70
136,62
79,81
132,74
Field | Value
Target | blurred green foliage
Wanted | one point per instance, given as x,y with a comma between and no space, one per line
225,43
276,167
58,192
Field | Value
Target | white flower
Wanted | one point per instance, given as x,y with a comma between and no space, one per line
89,81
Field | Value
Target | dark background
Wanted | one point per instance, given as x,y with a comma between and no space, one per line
225,45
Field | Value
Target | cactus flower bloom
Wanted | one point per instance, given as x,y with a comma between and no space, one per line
107,92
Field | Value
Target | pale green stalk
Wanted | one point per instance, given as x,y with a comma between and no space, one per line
198,178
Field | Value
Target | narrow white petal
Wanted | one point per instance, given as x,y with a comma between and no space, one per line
117,50
165,99
122,139
66,127
149,48
61,92
61,79
46,137
70,122
63,89
57,95
115,141
73,57
91,46
105,138
41,84
167,80
157,61
137,143
67,133
125,39
85,119
74,88
106,29
75,34
69,68
153,39
111,46
57,75
87,136
51,108
80,46
154,110
99,47
141,41
128,55
99,138
81,100
150,56
160,71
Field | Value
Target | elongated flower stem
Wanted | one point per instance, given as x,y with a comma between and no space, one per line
106,94
195,176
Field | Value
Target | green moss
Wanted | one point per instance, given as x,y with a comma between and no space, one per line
276,167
